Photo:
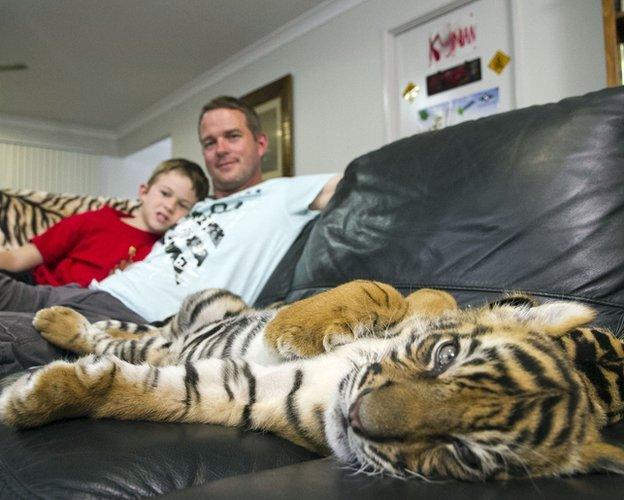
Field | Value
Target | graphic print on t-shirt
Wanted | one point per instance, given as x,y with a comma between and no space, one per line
189,243
186,246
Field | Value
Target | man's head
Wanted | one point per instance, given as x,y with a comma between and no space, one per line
170,192
232,143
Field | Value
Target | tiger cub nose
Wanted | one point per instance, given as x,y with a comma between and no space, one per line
354,416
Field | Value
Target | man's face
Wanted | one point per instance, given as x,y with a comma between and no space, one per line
231,152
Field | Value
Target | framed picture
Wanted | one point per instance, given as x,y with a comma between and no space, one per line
273,103
451,65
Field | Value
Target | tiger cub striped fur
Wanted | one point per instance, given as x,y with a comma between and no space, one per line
25,214
407,387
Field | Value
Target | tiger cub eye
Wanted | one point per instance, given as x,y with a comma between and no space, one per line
445,355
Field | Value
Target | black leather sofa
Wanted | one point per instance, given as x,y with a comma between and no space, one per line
528,200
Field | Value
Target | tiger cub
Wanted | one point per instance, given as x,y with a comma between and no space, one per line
406,386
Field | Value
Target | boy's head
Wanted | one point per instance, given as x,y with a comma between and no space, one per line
197,176
170,192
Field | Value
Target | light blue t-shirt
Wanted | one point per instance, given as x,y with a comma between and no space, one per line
234,243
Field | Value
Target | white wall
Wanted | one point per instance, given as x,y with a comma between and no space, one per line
121,177
338,71
44,169
59,171
559,49
58,136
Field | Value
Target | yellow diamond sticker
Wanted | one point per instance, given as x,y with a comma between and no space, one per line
498,62
410,92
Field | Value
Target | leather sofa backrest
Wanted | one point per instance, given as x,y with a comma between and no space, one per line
529,200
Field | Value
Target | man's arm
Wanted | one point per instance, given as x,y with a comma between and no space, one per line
322,199
20,259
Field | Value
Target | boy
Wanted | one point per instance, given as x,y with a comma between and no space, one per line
92,244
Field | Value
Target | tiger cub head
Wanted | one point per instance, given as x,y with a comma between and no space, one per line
473,395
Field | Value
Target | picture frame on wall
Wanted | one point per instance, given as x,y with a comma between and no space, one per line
448,66
273,103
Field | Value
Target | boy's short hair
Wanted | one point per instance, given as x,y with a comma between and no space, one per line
197,176
229,102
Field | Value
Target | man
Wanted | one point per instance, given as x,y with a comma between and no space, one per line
233,240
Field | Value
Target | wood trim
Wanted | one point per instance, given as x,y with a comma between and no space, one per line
282,89
610,41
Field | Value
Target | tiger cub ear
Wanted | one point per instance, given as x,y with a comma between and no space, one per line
553,318
515,299
556,318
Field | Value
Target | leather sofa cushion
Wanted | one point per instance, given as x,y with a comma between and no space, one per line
84,458
528,200
327,480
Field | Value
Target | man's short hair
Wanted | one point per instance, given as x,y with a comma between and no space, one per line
197,176
229,102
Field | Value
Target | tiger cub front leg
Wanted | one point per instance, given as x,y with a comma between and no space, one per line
213,391
70,330
58,390
124,330
65,328
334,317
98,387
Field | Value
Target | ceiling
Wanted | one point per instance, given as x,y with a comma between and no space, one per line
99,63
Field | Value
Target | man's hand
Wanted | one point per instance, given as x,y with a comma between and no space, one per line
322,199
125,262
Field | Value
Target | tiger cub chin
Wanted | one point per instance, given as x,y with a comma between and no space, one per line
405,386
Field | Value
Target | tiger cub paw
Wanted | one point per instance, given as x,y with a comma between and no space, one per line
293,342
55,391
430,303
64,328
335,317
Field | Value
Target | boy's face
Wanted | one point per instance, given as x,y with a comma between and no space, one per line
231,152
168,199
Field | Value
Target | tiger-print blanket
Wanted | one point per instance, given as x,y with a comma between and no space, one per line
25,214
404,386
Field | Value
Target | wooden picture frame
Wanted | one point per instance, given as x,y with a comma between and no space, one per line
613,26
273,103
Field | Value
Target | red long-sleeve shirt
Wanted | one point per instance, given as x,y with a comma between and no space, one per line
88,246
